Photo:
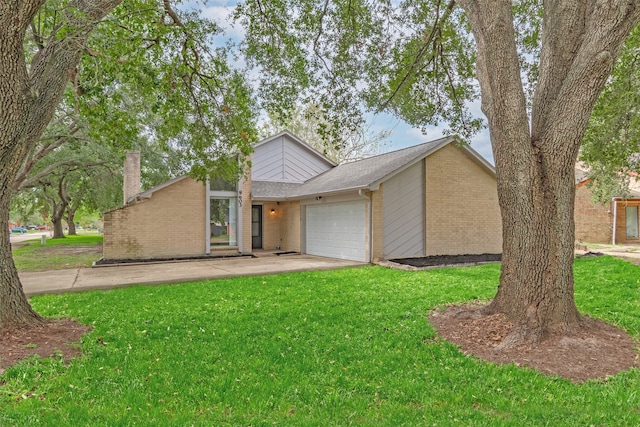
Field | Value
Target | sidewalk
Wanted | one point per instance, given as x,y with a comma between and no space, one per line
628,251
83,279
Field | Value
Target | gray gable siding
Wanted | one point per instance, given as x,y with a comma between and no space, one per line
285,160
299,165
403,213
267,162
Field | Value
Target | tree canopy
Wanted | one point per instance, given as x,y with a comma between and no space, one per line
611,147
152,72
414,60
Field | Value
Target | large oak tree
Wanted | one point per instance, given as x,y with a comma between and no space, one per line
539,66
128,69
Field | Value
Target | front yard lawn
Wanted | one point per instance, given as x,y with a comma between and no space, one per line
56,254
331,348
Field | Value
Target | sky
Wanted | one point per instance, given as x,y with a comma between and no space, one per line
402,134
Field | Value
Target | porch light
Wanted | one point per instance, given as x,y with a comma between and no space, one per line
273,211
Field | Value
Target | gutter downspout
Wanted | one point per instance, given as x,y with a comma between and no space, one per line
615,218
361,194
207,219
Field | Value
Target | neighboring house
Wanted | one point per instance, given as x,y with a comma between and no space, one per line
437,198
596,223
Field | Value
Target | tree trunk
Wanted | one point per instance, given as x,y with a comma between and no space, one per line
536,282
58,229
15,310
57,215
70,222
535,162
59,208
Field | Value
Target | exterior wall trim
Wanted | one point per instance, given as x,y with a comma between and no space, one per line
207,218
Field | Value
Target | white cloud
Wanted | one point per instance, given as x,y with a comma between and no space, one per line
221,14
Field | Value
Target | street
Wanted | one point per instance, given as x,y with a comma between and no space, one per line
20,237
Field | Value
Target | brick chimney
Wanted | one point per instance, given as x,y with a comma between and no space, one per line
131,185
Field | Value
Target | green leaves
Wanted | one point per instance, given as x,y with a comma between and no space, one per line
611,144
414,60
152,72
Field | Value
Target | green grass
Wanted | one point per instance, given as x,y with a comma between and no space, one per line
56,254
336,348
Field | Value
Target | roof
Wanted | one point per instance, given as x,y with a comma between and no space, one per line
270,190
148,193
363,174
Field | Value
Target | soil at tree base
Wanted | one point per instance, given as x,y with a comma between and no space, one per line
56,336
595,350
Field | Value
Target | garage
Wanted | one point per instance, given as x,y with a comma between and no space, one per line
337,230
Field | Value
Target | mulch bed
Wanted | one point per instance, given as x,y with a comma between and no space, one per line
103,262
444,260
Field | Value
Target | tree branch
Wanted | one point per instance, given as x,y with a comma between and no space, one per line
172,14
38,178
423,50
40,152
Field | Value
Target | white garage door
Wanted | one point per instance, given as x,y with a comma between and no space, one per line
337,230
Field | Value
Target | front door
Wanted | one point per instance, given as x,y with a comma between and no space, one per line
256,227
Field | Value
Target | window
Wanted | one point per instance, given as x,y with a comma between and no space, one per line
220,184
223,221
223,213
631,214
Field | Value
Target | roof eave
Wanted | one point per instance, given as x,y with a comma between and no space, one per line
376,184
479,159
149,193
329,193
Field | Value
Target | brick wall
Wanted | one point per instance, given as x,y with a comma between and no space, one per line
170,223
593,222
290,226
462,211
271,225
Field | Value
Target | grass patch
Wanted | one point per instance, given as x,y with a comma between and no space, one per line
334,348
57,254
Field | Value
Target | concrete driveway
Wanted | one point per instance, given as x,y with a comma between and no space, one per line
82,279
